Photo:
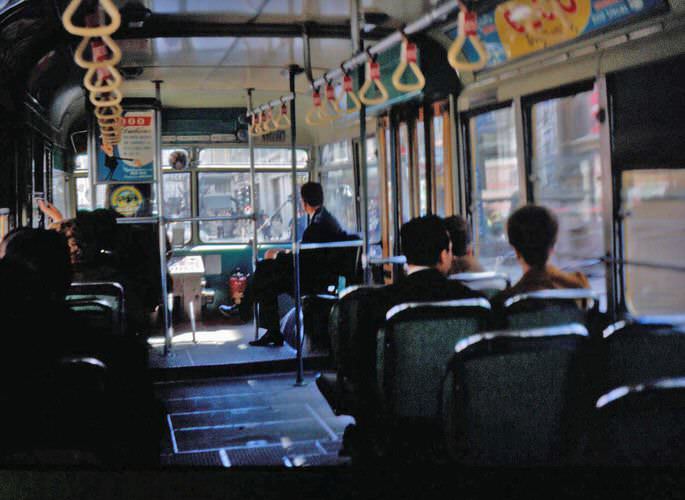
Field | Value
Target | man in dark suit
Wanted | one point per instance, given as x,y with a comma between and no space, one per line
274,276
426,244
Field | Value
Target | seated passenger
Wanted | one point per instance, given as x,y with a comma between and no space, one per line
102,250
463,260
426,244
275,276
532,231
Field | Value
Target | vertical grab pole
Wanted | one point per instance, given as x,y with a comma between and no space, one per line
253,202
293,70
357,47
92,161
160,218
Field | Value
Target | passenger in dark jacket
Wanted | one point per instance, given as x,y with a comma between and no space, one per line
426,244
275,276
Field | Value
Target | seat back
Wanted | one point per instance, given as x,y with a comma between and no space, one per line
414,349
549,307
64,420
490,283
642,424
636,352
100,305
518,396
322,268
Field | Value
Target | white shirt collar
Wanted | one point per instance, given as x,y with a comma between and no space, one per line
411,269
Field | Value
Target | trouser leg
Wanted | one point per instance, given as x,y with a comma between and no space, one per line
271,278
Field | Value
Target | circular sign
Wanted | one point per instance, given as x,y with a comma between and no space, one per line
126,200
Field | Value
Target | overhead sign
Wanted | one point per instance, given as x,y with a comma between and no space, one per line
519,27
133,158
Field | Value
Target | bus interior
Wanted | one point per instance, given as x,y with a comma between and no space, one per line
197,121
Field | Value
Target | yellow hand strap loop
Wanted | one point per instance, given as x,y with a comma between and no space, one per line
350,95
408,58
333,102
102,75
469,30
373,76
99,53
314,115
105,99
107,5
283,121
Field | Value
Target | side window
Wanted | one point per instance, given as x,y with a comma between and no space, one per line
337,179
566,178
495,187
177,204
653,202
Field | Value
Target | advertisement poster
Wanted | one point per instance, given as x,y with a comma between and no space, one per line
519,27
131,161
130,200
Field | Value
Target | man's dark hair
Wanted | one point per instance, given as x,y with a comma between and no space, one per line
532,231
422,240
312,194
460,234
45,253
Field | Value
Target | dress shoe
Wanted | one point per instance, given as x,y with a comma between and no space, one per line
272,338
228,311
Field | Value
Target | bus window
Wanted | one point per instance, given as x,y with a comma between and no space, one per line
279,158
228,194
566,177
177,204
496,187
439,165
654,205
60,198
421,161
83,186
337,179
374,196
404,176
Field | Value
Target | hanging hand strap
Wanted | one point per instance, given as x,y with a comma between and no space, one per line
408,58
467,24
373,76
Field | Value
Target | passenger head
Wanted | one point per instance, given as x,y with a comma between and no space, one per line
532,231
312,196
44,252
425,242
460,234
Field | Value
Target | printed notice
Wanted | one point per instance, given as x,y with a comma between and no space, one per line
132,159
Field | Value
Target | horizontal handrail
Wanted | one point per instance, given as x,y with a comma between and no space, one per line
478,276
420,24
394,259
271,104
137,220
218,218
653,265
332,244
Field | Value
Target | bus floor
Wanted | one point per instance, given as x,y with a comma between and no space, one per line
217,342
262,420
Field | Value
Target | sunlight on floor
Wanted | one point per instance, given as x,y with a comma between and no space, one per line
215,337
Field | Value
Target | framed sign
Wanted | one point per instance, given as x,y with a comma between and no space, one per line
132,160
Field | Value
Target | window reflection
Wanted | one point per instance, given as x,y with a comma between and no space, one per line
337,179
